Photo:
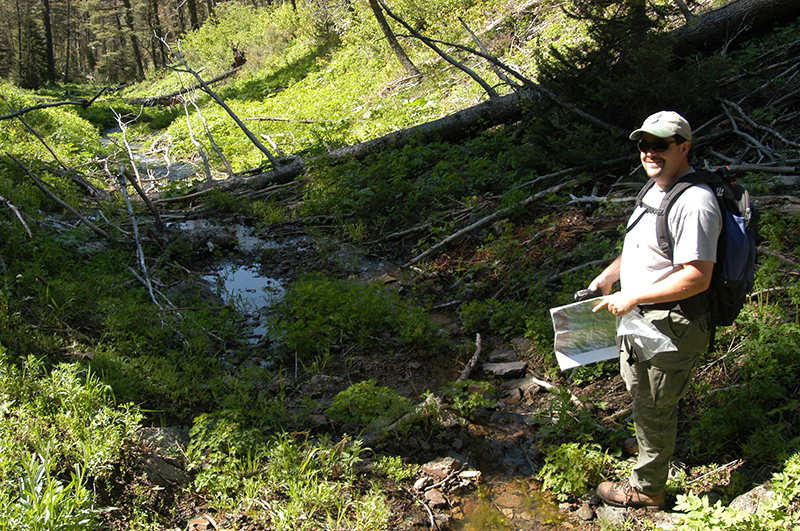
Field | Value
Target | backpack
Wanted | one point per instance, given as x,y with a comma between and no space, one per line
734,272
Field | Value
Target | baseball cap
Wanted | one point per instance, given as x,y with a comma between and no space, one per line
664,124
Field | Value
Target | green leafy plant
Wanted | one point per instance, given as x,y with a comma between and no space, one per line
564,420
318,310
468,395
392,466
368,406
45,503
571,468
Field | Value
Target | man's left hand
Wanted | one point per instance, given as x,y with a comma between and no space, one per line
618,303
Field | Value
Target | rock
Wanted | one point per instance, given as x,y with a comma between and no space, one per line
612,515
526,384
199,523
513,395
166,441
470,474
502,356
164,474
585,512
513,369
751,501
422,482
508,499
441,467
435,499
444,522
509,465
523,346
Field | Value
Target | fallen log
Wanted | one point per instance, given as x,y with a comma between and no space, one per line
457,126
172,98
731,23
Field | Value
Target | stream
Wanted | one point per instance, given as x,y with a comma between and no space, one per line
507,498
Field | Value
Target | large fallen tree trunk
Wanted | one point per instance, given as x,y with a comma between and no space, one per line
173,98
449,128
731,22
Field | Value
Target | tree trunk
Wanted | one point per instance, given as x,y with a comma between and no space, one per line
68,48
453,127
193,14
137,53
48,38
731,22
398,50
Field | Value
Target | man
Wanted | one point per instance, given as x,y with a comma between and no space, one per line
662,290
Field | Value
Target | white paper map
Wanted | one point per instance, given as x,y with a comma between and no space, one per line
583,336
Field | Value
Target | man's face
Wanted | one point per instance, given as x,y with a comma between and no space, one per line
664,166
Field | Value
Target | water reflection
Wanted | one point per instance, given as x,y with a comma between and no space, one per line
507,504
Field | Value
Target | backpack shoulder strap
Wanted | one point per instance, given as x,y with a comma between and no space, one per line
665,239
647,208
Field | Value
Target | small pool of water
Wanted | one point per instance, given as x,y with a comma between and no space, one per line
507,504
249,292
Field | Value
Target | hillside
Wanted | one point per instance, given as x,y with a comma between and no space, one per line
399,232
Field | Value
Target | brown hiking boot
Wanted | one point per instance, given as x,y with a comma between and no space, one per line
630,446
624,495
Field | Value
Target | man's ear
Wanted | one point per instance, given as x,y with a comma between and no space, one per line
685,147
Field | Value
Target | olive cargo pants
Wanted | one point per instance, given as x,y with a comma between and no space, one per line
656,386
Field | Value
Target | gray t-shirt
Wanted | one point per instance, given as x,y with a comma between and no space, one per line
694,223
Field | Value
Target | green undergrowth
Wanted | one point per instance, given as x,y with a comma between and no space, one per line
319,312
61,431
294,482
89,353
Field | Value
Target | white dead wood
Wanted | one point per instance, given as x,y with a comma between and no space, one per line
197,145
9,205
210,137
135,179
205,88
123,188
40,184
473,361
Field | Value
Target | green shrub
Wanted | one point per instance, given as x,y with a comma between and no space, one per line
776,512
467,395
368,406
755,418
571,468
318,310
392,466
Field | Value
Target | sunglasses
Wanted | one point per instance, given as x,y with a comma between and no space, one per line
656,146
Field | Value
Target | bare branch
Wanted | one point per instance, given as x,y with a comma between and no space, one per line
139,251
464,374
430,43
499,73
82,102
17,213
204,86
197,145
54,197
488,219
687,14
